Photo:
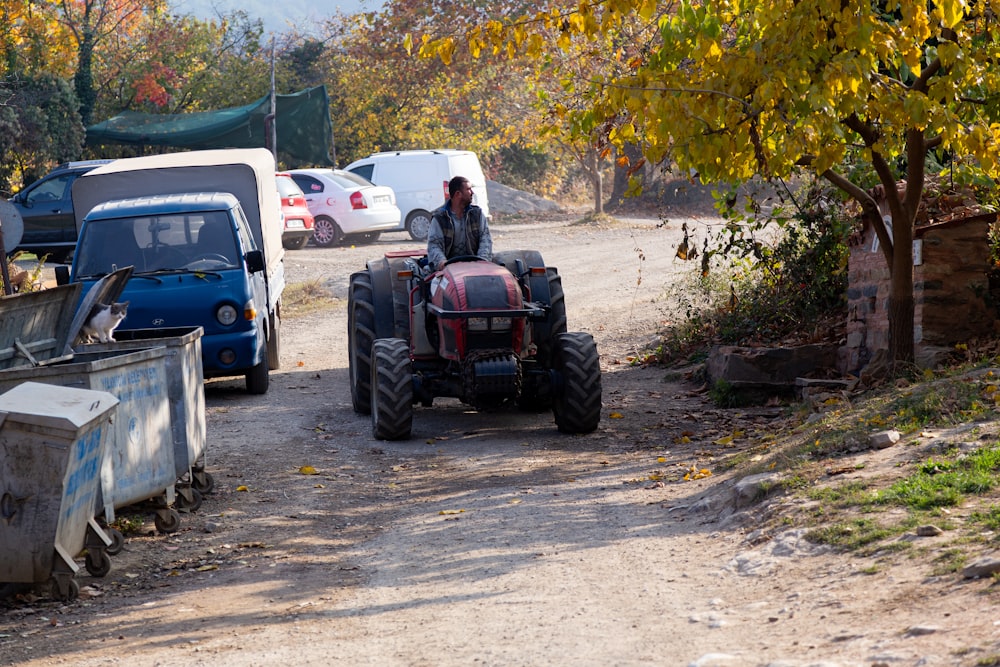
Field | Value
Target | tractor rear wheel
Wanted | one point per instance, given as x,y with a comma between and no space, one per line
544,333
391,389
576,402
360,336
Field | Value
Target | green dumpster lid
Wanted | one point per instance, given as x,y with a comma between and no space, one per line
66,408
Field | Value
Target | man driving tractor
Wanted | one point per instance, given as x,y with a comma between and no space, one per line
458,228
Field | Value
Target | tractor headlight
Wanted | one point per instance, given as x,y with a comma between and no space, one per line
478,324
502,323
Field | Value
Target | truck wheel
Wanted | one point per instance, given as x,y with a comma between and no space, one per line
576,402
259,376
418,224
392,389
274,342
326,232
360,336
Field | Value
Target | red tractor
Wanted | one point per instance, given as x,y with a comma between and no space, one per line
487,333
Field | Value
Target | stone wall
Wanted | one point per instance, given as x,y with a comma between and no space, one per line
951,291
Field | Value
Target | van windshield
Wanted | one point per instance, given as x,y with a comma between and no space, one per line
202,241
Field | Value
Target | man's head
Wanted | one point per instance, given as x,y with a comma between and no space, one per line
460,191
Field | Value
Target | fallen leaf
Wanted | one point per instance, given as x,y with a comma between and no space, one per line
616,415
242,488
308,470
206,568
451,511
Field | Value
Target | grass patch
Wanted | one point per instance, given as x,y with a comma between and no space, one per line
307,298
943,483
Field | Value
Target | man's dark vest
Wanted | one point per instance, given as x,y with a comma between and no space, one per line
448,229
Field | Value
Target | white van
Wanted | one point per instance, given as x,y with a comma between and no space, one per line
420,181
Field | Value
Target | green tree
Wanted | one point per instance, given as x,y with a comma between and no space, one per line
857,92
39,124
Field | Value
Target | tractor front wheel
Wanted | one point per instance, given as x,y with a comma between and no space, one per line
360,336
391,389
576,402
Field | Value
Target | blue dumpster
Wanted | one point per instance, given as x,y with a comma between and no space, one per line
141,452
53,442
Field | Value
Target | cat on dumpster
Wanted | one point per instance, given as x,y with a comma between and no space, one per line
102,322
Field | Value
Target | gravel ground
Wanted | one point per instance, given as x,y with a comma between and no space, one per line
491,539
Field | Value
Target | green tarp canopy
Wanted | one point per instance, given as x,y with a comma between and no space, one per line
304,132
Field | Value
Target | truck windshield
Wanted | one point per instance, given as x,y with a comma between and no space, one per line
202,241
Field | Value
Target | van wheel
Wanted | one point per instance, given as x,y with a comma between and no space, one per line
418,224
326,232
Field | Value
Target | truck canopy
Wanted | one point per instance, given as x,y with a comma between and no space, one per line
247,173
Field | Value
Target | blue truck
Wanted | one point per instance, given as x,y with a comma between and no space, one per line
202,231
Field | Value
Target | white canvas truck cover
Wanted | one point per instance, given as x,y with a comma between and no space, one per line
247,173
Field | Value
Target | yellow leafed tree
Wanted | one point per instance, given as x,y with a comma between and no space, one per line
730,89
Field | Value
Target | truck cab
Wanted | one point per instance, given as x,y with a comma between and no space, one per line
202,231
195,263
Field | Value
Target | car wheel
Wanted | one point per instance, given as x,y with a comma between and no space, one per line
326,232
295,244
418,224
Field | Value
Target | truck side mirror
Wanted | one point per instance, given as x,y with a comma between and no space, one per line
62,275
255,261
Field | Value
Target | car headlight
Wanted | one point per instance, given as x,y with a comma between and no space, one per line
226,315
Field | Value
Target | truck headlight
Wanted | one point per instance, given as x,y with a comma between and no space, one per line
226,315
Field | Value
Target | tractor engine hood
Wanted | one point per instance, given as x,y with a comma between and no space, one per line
478,306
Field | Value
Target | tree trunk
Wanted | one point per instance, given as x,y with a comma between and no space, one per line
623,173
84,78
594,171
901,303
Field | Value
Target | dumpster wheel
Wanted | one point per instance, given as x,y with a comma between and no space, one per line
189,499
167,520
203,482
98,562
117,541
62,586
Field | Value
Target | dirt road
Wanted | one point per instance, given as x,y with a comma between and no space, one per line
490,539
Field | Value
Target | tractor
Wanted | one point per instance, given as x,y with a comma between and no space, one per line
489,333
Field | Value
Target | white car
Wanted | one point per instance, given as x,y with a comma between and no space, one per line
347,208
420,180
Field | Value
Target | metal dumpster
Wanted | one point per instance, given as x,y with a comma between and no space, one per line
141,457
186,393
52,444
35,326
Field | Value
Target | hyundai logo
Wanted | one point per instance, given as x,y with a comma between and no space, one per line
158,322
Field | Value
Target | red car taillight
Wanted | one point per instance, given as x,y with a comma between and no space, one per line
447,196
358,200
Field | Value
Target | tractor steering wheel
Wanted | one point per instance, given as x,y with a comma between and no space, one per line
464,258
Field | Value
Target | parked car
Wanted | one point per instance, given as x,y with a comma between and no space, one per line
347,208
420,180
47,210
298,218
